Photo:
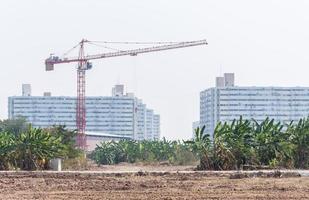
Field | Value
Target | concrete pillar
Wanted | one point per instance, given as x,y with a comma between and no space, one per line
55,164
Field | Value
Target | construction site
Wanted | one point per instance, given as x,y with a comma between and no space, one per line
159,99
159,169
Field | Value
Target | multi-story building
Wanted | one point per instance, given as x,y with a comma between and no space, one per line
228,102
156,127
120,114
149,124
141,121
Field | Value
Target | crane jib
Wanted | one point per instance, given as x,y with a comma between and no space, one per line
56,60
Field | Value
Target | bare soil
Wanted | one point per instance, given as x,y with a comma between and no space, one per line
150,185
135,167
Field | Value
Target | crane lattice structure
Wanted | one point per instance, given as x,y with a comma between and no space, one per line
83,64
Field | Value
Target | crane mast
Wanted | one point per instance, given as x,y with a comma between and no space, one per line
84,64
80,102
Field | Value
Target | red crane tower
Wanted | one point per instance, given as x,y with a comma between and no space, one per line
83,64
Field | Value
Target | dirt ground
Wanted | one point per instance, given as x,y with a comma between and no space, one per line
143,185
135,167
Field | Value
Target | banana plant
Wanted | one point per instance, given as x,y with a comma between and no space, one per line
223,156
34,145
7,145
271,143
299,137
201,144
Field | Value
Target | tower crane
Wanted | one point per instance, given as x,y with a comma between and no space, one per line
83,64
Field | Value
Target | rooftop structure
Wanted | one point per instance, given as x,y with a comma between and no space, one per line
225,81
26,90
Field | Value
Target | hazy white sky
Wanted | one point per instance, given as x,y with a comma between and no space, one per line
265,43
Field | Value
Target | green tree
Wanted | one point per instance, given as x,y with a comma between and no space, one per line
113,152
34,146
299,136
233,144
201,144
7,146
14,126
68,139
271,143
223,157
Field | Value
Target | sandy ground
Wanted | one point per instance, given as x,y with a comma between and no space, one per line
121,167
148,185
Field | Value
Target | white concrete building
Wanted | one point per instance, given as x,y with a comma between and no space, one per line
119,114
156,127
141,121
230,102
149,124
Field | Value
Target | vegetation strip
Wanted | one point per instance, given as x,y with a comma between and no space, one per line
240,145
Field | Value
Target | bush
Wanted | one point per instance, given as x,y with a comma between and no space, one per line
113,152
33,148
249,143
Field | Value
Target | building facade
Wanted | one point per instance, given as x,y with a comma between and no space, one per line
156,126
225,103
119,114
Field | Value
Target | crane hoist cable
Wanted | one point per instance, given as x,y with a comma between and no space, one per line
106,47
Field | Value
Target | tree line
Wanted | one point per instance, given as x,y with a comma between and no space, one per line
248,143
240,144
